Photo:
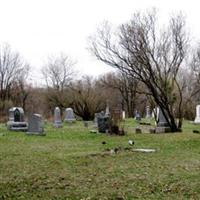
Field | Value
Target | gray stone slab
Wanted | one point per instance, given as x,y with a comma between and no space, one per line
35,125
57,118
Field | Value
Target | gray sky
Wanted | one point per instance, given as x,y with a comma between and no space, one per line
38,28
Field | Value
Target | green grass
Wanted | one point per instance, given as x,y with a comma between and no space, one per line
72,163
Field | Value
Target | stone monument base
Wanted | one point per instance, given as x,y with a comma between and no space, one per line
57,125
162,129
70,121
17,126
36,133
197,120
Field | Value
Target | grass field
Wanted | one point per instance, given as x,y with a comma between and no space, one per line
72,163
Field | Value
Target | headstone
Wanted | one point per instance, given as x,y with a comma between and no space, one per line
57,118
103,124
35,125
155,113
148,112
162,124
69,115
107,113
137,116
123,115
197,118
95,119
16,120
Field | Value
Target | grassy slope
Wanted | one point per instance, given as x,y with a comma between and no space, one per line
70,163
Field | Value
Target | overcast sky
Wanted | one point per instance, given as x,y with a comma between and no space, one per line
38,28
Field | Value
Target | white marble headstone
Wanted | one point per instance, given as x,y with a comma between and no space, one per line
197,118
123,114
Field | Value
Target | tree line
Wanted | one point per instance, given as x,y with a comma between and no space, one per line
154,66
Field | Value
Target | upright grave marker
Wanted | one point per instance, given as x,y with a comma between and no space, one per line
16,120
162,124
69,115
197,118
35,126
57,118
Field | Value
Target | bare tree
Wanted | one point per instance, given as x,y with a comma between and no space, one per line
127,88
20,92
87,99
153,56
12,69
58,73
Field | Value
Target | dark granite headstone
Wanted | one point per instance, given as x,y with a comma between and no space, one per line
162,125
137,116
103,124
16,120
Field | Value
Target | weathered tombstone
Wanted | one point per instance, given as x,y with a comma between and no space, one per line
137,116
69,115
103,124
16,120
95,119
35,125
162,124
148,112
197,118
57,118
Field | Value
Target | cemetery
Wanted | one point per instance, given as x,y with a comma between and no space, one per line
100,111
73,163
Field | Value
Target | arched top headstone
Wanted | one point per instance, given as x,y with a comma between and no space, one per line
69,115
16,119
57,117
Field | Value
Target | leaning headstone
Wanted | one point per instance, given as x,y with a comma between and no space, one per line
162,125
69,115
57,118
197,118
16,120
35,125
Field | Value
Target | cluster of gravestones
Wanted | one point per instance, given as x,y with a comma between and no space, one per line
16,122
69,116
104,123
102,120
162,126
35,126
